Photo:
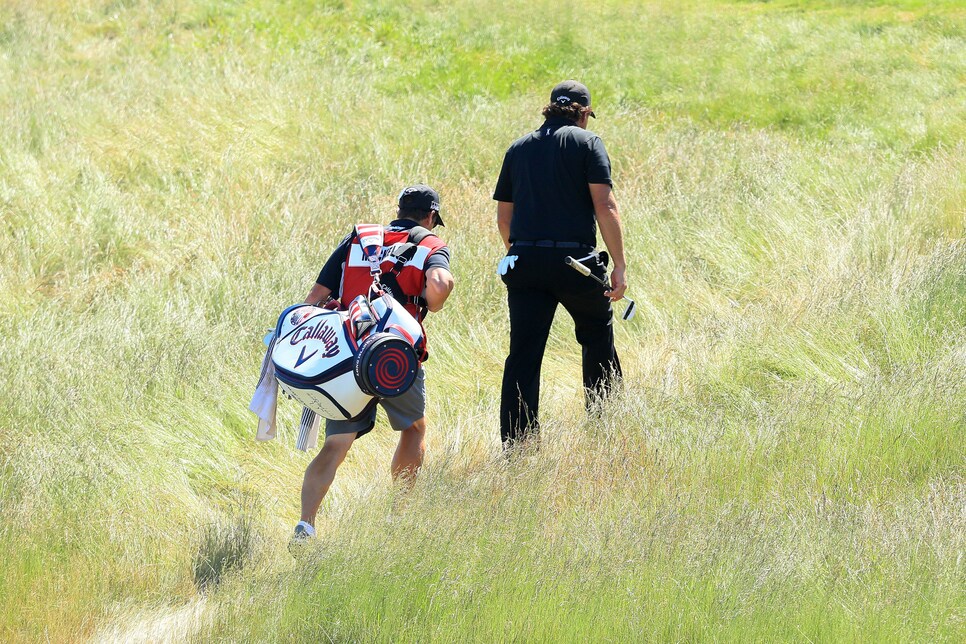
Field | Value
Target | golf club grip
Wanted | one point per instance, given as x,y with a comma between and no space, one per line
577,266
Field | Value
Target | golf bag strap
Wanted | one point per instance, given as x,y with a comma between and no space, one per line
403,258
416,235
417,300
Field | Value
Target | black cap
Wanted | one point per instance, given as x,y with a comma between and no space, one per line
420,197
571,91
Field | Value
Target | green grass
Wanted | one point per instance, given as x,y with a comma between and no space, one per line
786,463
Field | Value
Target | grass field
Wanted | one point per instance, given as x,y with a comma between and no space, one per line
788,461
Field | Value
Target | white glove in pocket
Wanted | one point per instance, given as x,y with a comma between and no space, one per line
506,264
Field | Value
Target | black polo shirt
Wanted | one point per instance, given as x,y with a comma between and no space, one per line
331,274
545,175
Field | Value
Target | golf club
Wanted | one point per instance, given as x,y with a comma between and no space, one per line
584,270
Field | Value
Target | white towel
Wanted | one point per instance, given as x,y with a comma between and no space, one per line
264,404
265,400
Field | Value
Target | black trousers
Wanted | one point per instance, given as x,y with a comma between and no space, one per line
539,281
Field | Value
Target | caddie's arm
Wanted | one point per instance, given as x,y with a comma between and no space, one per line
609,222
439,284
318,295
504,215
331,274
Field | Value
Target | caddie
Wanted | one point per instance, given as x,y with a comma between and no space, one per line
416,272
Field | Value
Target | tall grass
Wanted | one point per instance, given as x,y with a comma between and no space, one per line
785,463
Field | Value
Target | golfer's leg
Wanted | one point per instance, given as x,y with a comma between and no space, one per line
531,314
593,320
321,472
601,366
410,451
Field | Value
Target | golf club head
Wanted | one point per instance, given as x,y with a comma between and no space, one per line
630,310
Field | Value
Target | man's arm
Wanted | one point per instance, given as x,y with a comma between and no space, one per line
330,277
504,215
318,295
609,222
439,284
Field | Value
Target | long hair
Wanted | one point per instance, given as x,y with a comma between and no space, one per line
571,111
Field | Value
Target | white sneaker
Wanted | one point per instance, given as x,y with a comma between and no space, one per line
300,538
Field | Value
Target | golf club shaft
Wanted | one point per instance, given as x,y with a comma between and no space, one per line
583,270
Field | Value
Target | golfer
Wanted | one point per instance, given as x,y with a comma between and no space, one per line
553,192
421,284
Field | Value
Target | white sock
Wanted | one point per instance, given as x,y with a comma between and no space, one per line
308,527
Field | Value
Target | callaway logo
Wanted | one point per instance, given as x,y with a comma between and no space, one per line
322,332
303,358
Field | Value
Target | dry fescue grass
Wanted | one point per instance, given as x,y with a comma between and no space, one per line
787,461
225,547
810,514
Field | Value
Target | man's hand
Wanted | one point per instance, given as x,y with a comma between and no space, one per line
609,223
618,284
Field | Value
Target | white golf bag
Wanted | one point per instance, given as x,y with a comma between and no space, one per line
338,363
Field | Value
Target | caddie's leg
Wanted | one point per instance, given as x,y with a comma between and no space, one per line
321,472
410,451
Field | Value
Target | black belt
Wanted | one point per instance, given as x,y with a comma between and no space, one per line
550,243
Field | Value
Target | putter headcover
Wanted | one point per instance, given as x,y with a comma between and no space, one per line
371,237
385,366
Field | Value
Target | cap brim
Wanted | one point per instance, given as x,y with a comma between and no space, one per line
592,114
439,219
